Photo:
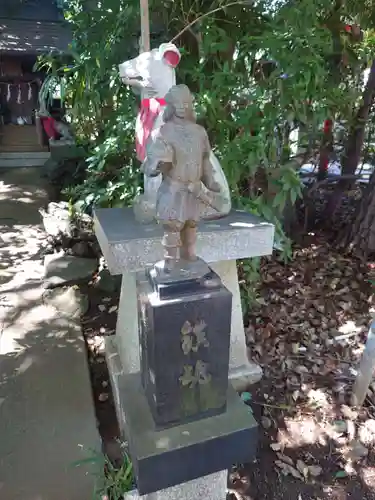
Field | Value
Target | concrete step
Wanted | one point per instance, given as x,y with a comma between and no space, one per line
24,159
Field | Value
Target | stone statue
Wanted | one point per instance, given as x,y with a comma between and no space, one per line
180,152
153,73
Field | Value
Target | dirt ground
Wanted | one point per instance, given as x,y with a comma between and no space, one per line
307,330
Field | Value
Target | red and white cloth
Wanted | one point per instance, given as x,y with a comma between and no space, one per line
161,67
148,113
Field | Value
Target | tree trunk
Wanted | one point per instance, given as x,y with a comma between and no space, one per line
361,234
357,134
354,144
325,149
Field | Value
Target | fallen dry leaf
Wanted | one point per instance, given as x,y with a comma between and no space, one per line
302,467
275,446
315,470
285,458
288,469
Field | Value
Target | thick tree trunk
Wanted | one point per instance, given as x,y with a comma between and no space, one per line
357,134
361,234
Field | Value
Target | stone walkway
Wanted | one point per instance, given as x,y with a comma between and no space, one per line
46,413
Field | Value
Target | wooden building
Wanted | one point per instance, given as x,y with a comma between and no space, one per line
28,28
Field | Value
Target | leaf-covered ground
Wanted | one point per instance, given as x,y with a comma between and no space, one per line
308,333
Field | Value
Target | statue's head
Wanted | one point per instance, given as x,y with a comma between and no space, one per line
180,103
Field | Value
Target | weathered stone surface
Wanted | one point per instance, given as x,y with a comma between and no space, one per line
67,301
128,245
185,341
212,487
81,249
168,457
63,269
242,372
56,219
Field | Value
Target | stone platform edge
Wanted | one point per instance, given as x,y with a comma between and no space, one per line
129,246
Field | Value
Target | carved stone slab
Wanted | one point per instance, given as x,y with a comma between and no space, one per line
129,246
184,350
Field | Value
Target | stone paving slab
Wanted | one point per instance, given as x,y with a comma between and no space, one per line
47,416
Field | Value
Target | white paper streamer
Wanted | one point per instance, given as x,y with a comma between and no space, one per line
8,93
30,92
19,97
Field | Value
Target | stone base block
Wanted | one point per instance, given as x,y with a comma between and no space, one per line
242,372
212,487
172,456
185,339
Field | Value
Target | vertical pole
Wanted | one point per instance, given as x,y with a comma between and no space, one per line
145,26
366,369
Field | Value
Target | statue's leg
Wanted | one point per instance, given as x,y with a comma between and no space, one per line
188,240
171,243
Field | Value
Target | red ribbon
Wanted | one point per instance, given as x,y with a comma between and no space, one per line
145,103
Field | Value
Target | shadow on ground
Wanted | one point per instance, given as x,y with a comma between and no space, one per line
46,413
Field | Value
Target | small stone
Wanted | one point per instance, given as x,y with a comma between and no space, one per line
81,249
103,397
60,269
102,307
69,301
56,219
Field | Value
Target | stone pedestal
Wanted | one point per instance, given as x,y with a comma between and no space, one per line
129,247
168,457
184,340
211,487
181,446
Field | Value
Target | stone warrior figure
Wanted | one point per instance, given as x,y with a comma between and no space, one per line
180,151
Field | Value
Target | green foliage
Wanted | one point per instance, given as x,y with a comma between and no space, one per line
248,271
248,105
111,482
101,109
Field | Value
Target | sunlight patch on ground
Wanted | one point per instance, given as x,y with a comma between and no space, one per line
349,327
